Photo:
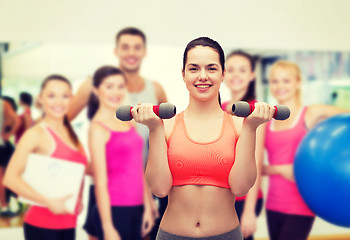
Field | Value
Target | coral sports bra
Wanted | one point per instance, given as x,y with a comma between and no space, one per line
196,163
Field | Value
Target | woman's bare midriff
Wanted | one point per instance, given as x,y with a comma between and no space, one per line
199,211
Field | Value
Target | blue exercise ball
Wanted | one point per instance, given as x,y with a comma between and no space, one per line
322,170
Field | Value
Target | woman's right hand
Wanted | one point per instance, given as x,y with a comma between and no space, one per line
57,205
262,113
143,113
111,233
248,223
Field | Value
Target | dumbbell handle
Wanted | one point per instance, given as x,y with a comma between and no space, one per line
243,109
164,111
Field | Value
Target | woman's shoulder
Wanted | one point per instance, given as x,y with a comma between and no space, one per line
169,126
34,135
237,122
38,130
98,126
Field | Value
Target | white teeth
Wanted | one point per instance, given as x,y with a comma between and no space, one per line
203,86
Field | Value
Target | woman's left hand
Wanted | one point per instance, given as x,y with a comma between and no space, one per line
147,222
262,113
143,113
248,224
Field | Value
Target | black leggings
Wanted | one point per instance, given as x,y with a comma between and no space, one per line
89,225
288,226
126,220
36,233
239,205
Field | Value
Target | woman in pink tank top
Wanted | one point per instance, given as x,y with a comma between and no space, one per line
54,137
203,158
123,204
240,79
288,216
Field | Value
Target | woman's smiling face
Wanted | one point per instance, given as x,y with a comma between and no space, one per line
284,84
203,73
239,73
55,98
111,91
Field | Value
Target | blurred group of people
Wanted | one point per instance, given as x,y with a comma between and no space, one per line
12,124
138,166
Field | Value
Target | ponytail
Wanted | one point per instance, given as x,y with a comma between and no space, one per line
93,105
250,94
71,132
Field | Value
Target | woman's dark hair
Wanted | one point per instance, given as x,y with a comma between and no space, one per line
97,79
250,94
205,42
26,98
56,77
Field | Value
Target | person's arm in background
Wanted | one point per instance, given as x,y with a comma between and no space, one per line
248,218
160,93
98,138
319,112
285,170
11,122
80,99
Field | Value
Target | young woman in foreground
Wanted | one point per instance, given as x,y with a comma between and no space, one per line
203,157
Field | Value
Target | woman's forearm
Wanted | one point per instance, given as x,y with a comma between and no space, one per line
23,189
270,170
252,196
158,174
243,173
